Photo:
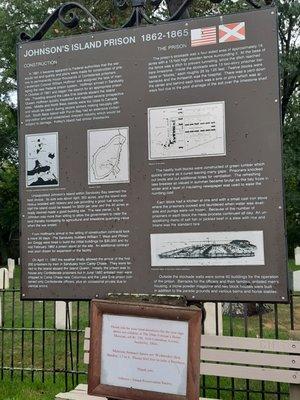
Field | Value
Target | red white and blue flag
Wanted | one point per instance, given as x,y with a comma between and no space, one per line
203,36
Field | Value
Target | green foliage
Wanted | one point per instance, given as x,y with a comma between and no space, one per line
289,21
8,133
9,210
18,15
292,170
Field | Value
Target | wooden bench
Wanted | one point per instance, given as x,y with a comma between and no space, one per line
233,357
80,393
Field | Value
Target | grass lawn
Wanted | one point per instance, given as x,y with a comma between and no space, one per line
39,346
293,266
28,390
24,353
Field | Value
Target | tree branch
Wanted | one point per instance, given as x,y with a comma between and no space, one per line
288,89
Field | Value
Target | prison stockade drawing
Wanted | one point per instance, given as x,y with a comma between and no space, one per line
108,156
42,159
191,130
235,248
208,248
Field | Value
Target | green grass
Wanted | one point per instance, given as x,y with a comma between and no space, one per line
293,266
27,390
36,349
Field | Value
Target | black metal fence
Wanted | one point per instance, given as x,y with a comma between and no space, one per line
32,348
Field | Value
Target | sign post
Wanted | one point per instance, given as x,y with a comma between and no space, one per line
151,162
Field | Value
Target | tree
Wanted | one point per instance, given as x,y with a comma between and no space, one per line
9,211
292,170
289,21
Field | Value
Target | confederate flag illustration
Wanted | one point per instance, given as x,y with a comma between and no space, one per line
203,36
232,32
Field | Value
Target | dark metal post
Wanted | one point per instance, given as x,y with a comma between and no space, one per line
174,5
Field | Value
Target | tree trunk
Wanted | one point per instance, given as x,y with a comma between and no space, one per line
243,310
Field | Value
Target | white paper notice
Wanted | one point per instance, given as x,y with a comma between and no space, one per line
144,353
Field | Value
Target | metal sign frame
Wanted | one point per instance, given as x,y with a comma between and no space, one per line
67,16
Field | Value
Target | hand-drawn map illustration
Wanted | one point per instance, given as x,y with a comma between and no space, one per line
42,159
208,248
191,130
108,156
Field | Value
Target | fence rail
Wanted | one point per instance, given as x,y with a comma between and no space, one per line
32,347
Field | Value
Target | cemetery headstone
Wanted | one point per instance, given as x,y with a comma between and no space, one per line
297,255
213,323
61,320
296,281
4,278
11,267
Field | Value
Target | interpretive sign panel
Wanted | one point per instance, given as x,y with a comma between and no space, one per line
140,351
151,162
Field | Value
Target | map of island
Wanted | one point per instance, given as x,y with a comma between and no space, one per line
42,159
108,156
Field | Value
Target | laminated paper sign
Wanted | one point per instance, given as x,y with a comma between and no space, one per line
150,162
140,351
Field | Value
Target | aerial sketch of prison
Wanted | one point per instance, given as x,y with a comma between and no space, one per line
190,130
208,248
108,156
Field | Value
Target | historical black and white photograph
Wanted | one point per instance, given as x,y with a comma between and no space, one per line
42,159
207,248
190,130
